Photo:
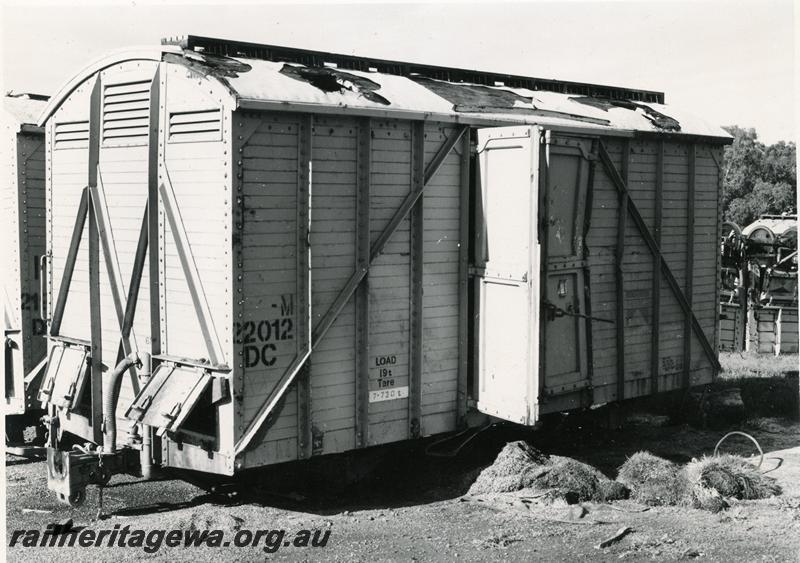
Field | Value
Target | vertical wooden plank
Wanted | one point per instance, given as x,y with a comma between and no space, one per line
656,290
304,182
364,156
95,313
622,221
416,261
687,327
463,267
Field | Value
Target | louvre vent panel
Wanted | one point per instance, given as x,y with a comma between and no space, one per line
204,125
71,135
126,113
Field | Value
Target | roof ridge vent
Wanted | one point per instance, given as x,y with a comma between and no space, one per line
321,59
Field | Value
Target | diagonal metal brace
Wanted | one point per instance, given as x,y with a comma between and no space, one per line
348,290
69,265
654,248
380,243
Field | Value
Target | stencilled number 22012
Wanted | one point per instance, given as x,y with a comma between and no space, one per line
251,332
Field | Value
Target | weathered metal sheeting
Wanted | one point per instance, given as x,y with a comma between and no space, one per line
263,84
24,234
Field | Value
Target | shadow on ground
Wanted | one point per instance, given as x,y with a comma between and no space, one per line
402,475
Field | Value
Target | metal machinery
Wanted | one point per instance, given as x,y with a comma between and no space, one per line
771,247
734,282
259,254
758,307
24,231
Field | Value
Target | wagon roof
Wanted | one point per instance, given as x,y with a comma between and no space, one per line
262,77
24,108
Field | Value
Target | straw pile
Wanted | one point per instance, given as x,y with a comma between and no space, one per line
520,466
705,483
708,483
711,480
653,480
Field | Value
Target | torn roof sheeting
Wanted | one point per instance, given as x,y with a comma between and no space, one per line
270,82
265,77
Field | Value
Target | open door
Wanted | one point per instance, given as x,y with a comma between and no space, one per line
565,362
169,396
507,260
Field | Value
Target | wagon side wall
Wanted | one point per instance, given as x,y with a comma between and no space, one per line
361,387
675,186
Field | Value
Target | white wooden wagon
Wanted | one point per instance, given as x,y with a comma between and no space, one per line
276,254
23,226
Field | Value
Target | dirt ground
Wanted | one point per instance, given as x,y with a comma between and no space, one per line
410,507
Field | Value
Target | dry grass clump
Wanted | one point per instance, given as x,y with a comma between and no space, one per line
514,469
705,483
519,466
652,480
571,479
713,479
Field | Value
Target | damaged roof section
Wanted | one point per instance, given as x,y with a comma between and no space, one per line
266,78
658,119
24,108
210,65
477,98
335,80
282,83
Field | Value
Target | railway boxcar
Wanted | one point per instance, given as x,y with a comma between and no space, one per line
24,227
261,254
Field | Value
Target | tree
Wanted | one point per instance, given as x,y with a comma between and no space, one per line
757,179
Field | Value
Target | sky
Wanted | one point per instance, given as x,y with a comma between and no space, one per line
729,62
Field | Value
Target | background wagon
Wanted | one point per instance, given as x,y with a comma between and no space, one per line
322,252
24,227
